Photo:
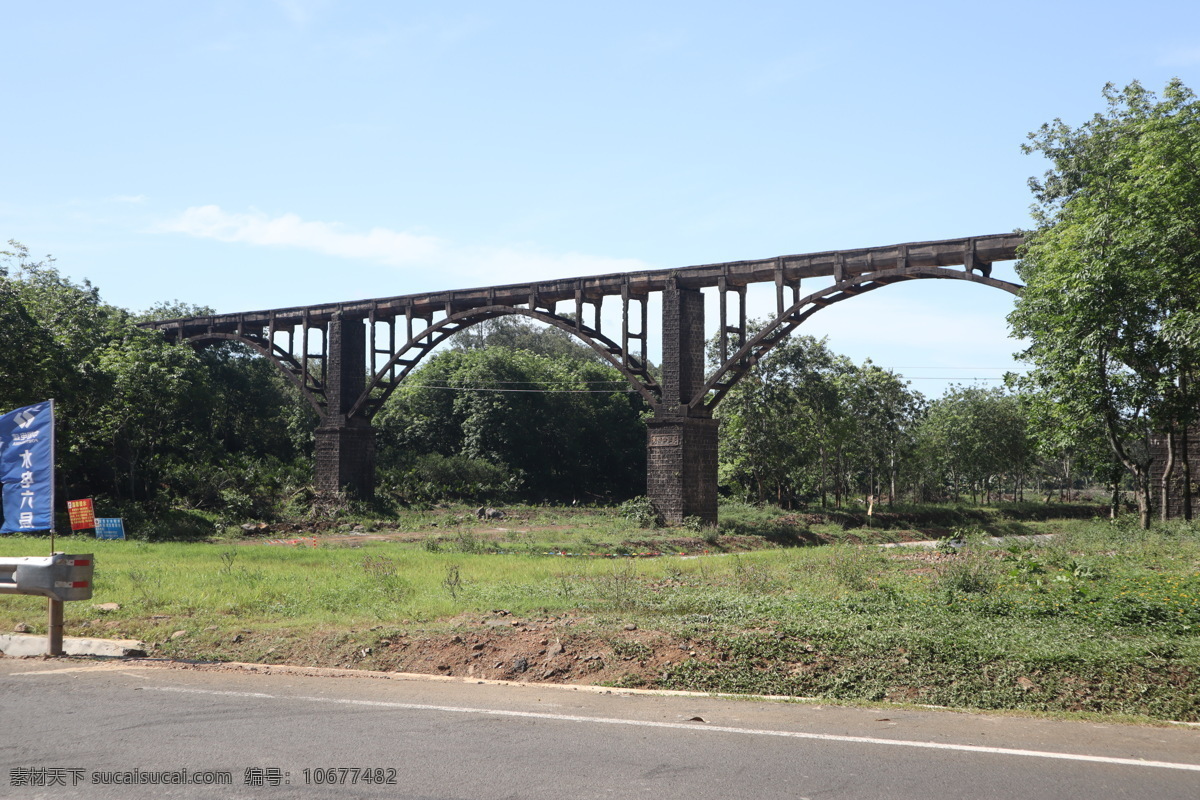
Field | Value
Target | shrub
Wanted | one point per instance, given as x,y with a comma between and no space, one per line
641,512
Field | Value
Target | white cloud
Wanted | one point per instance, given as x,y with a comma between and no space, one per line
288,230
132,199
395,248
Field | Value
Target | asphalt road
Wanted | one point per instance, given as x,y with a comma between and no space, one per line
86,729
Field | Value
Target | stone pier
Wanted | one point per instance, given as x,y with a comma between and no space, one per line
681,458
345,446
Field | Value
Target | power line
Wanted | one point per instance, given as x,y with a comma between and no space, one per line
626,390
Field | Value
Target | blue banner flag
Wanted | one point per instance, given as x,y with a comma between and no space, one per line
27,468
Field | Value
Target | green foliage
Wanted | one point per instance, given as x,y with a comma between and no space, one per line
806,423
433,478
561,428
973,438
745,519
641,512
517,333
970,571
1112,272
145,426
854,566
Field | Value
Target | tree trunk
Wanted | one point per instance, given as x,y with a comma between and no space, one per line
1164,486
1141,493
1186,469
892,480
1114,507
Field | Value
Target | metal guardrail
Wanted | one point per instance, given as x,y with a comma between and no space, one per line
59,577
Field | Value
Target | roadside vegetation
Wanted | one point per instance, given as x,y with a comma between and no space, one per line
1100,617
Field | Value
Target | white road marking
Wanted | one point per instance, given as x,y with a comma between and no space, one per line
826,737
89,668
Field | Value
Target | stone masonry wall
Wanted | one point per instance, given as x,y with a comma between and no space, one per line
345,459
681,456
345,447
681,468
1158,450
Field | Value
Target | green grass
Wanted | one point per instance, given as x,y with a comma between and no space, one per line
1104,618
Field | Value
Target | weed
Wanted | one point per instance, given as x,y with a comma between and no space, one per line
970,534
379,567
972,572
453,581
147,585
754,578
624,648
853,566
467,542
621,587
947,546
641,512
227,559
630,680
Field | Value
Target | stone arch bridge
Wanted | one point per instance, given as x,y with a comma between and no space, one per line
347,358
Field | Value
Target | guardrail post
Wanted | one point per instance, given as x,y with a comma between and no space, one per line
55,628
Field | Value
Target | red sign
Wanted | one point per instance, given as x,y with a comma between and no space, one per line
82,515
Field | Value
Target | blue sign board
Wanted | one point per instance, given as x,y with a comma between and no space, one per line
110,528
27,468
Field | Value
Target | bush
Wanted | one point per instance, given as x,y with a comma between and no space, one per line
641,512
437,478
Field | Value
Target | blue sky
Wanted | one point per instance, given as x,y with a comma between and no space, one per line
247,155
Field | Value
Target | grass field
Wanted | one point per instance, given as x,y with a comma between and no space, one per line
1100,618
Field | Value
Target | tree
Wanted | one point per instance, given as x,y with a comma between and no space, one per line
562,426
519,333
141,420
778,423
975,437
882,411
1112,300
1067,447
806,422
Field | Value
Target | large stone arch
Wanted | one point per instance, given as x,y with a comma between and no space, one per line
757,346
409,356
682,438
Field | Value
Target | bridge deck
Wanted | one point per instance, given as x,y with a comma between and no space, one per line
841,263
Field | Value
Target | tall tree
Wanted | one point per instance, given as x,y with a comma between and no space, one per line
139,420
1112,272
975,437
564,426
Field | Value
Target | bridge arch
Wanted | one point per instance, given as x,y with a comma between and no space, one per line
344,382
756,347
413,352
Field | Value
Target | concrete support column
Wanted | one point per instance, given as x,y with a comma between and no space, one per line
683,346
681,468
345,446
681,462
346,459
